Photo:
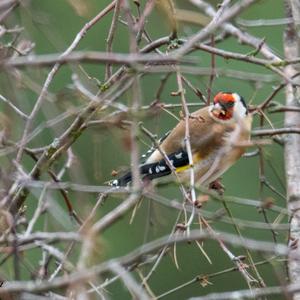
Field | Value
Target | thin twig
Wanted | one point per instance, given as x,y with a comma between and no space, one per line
52,73
136,255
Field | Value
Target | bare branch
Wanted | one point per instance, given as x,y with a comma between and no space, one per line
52,73
136,255
292,142
88,57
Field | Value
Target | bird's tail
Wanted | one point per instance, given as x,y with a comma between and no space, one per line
147,172
121,181
154,170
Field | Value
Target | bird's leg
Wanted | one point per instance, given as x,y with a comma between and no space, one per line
217,186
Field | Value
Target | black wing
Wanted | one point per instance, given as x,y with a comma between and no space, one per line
155,170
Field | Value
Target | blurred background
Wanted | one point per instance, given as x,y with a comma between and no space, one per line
51,26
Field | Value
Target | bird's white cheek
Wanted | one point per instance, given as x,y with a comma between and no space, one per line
239,111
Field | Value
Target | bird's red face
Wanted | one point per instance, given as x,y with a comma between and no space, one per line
224,105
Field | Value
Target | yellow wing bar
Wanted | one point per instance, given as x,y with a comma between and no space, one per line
196,159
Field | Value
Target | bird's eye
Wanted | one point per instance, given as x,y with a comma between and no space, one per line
229,104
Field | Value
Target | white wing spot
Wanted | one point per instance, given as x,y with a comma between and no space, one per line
115,183
161,168
157,169
179,155
150,171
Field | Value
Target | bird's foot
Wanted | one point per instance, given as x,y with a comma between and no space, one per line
217,186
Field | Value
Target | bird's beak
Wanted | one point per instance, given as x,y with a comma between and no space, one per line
219,109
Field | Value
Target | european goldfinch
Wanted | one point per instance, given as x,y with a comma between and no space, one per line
217,133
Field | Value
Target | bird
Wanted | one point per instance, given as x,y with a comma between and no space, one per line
217,135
